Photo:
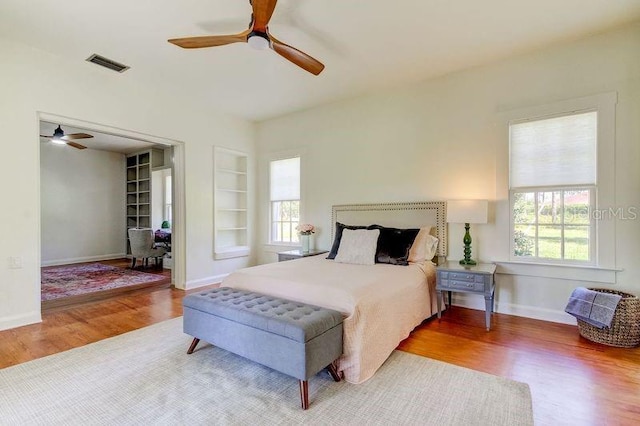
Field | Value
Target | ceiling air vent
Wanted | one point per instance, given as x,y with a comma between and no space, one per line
107,63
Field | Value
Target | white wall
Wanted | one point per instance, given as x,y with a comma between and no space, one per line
82,202
32,81
445,139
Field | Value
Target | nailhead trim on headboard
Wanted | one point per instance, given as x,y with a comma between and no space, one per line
439,207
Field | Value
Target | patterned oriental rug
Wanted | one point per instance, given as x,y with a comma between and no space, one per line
74,280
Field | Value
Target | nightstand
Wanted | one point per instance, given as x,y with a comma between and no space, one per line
297,254
478,279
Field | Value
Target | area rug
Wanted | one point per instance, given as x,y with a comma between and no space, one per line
146,377
74,280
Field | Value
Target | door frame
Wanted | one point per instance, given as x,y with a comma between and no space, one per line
178,231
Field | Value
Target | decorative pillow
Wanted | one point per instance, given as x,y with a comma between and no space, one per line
358,246
424,247
432,247
338,235
394,245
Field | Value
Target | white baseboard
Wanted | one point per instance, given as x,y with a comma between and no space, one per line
20,320
477,302
83,259
202,282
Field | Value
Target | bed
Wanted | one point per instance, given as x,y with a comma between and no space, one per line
381,303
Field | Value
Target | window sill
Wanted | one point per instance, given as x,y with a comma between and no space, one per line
597,274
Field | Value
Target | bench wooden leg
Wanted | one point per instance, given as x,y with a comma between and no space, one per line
334,372
304,394
194,343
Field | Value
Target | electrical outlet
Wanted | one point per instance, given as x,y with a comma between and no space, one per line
15,262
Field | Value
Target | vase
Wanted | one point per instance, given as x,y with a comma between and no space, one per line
304,240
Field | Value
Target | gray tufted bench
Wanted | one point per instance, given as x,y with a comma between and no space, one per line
293,338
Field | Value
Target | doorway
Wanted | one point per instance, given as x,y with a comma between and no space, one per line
85,203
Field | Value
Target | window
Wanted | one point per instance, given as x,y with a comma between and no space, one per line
552,180
284,180
553,224
167,199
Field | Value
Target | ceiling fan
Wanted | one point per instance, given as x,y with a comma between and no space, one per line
60,138
258,36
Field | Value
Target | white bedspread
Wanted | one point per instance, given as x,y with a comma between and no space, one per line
381,303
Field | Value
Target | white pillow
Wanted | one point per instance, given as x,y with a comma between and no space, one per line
358,246
424,247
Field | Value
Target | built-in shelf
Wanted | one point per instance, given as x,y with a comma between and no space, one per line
231,207
138,173
231,171
241,191
230,252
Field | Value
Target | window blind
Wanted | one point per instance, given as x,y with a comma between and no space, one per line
167,190
554,151
285,179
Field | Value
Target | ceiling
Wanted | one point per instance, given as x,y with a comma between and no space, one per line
365,45
100,141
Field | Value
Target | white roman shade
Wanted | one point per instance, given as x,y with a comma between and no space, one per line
559,151
285,179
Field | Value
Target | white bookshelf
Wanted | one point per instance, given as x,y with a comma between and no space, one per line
138,201
231,237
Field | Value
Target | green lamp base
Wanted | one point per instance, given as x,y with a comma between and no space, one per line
467,248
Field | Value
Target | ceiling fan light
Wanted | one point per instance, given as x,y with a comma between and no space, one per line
258,41
57,134
58,141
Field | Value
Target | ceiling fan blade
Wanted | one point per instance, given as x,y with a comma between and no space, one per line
262,11
46,136
76,145
299,58
209,41
74,136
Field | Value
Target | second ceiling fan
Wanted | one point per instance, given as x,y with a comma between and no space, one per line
258,36
60,137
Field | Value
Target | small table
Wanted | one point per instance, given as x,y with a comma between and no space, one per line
297,254
477,279
163,237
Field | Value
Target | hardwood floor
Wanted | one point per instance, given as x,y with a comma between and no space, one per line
573,381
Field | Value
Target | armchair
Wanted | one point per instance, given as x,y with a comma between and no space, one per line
142,246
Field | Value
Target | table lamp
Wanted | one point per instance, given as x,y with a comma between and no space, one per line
467,211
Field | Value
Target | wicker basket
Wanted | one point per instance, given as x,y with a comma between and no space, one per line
625,326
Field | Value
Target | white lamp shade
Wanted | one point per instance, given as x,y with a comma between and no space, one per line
467,211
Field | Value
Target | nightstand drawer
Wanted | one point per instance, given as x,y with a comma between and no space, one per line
462,276
461,285
283,257
297,254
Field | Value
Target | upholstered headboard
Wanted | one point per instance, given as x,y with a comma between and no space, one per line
396,215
